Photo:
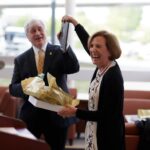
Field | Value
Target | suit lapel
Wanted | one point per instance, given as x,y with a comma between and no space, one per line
48,58
32,62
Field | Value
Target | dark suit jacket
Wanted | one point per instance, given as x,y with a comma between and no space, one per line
109,116
58,64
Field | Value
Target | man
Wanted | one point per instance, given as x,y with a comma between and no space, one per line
56,62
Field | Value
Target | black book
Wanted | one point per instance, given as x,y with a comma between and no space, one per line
64,36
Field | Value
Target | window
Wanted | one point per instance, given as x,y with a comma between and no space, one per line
129,20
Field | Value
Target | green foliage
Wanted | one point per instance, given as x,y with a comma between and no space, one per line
144,37
124,21
82,86
21,21
91,27
57,26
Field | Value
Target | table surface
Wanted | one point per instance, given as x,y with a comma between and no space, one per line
132,118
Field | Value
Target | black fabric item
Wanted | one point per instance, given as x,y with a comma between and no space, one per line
144,128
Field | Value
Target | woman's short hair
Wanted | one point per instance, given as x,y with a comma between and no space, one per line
112,43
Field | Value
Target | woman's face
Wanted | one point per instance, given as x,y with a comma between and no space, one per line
99,52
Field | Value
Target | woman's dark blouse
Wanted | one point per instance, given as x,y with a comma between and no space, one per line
109,116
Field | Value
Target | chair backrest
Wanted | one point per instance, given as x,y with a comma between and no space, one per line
2,90
137,94
21,141
6,121
131,105
9,105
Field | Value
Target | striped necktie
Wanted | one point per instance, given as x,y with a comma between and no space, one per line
40,65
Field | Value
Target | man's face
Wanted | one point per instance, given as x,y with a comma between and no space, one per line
36,34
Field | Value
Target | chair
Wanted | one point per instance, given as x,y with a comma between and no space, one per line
2,90
6,121
21,139
80,126
137,94
9,104
133,101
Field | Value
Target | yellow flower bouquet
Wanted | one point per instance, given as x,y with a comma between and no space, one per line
52,94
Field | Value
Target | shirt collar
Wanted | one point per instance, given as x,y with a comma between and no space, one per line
37,49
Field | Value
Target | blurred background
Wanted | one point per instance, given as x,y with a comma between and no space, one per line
127,19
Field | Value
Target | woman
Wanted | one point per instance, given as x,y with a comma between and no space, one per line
105,121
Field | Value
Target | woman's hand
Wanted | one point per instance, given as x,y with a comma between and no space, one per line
67,111
70,19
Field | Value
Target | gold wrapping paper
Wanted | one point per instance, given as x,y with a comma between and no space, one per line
53,94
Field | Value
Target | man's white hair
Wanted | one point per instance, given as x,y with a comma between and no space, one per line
30,22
